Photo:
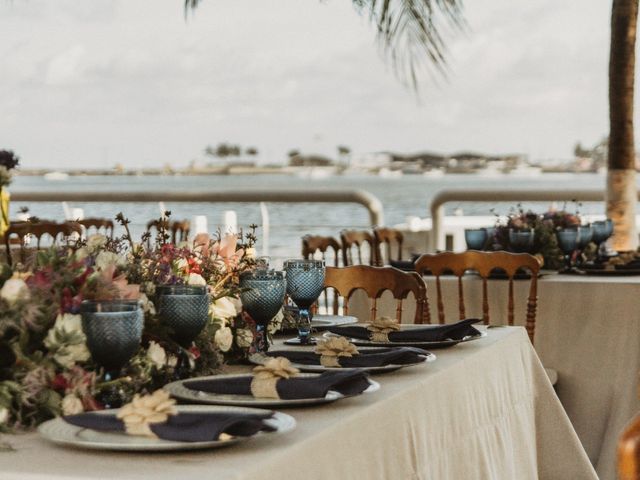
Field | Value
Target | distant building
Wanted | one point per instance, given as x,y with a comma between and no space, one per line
300,160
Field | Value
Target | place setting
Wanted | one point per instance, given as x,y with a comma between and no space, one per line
154,423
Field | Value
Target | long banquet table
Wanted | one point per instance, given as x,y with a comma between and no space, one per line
482,410
587,329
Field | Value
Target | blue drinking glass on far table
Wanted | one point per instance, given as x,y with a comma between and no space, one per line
602,230
521,240
568,241
305,282
476,238
586,235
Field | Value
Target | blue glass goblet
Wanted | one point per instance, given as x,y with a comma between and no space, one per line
476,238
262,298
184,309
113,330
305,282
586,235
521,240
491,237
602,230
568,241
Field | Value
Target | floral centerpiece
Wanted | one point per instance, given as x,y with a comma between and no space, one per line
8,161
46,368
545,244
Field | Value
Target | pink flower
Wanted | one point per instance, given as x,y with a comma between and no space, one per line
226,251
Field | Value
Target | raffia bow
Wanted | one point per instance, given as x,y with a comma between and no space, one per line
138,415
334,347
266,376
381,327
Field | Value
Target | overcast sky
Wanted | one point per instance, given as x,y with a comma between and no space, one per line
94,82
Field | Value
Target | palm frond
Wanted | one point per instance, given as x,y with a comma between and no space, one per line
410,31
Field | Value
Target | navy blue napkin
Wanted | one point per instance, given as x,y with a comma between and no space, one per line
430,333
378,357
352,382
184,427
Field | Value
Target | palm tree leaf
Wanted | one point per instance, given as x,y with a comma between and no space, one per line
410,31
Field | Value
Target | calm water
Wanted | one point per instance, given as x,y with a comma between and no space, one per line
406,196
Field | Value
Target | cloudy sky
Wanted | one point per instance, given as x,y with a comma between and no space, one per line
95,82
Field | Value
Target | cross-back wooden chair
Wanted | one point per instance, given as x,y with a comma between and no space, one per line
375,281
629,451
178,229
357,239
484,263
385,238
23,231
311,246
99,224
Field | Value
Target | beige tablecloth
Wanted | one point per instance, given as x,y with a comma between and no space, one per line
483,410
587,329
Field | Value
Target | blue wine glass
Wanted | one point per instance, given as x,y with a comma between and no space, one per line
602,230
568,241
262,297
476,238
521,240
586,235
305,282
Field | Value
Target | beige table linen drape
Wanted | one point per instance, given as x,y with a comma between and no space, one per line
587,329
484,410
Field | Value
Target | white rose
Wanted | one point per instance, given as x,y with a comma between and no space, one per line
172,361
68,355
250,253
223,307
14,289
69,323
182,263
196,279
105,259
4,415
95,242
224,338
71,405
81,254
156,354
244,338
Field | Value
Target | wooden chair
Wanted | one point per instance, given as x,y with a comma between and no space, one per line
629,451
484,263
314,244
24,231
98,223
384,238
357,239
178,230
375,281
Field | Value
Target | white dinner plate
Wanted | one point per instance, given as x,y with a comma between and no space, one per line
260,359
180,391
62,433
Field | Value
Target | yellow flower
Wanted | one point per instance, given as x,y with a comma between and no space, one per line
138,415
277,367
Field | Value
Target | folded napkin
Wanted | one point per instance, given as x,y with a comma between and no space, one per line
431,333
184,427
369,358
351,382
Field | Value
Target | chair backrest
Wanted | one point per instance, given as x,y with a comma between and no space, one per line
384,238
98,224
311,244
24,231
357,239
178,230
375,281
484,263
629,451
